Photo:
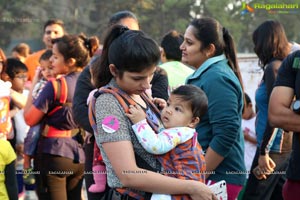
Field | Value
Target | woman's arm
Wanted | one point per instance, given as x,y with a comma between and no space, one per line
121,156
224,113
212,160
32,115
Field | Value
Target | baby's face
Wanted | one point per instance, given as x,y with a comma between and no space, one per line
177,113
47,69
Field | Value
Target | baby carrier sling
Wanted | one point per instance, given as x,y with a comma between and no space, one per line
60,88
125,101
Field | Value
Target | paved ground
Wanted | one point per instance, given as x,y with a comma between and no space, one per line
30,195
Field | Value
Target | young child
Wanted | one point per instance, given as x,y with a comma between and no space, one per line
248,127
8,181
16,72
42,75
5,120
179,152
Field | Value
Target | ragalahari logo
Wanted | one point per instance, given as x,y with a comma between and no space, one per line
246,8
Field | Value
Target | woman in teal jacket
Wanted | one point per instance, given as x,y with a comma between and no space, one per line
209,48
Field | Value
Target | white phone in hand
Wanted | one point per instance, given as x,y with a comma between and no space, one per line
219,189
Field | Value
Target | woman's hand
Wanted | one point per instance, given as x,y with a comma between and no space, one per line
202,191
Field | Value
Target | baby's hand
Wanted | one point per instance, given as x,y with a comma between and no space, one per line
136,114
161,103
37,75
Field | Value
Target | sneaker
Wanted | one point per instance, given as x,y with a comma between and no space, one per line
28,177
30,195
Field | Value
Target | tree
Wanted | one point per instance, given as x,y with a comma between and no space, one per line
24,20
14,19
228,13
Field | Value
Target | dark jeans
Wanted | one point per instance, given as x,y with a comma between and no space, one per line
270,188
112,194
60,178
88,177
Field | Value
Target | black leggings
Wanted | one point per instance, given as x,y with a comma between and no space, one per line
60,178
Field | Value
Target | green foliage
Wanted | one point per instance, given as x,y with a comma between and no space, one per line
156,17
228,13
23,20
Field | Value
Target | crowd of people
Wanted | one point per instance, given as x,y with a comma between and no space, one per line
138,120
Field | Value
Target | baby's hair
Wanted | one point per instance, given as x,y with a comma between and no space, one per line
195,96
46,55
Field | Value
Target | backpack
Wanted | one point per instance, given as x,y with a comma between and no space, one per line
60,101
124,101
5,120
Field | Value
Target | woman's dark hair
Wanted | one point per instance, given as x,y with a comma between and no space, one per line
115,19
78,47
270,42
195,96
210,31
128,50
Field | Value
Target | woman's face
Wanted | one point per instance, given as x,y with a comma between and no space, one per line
58,62
135,82
191,54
